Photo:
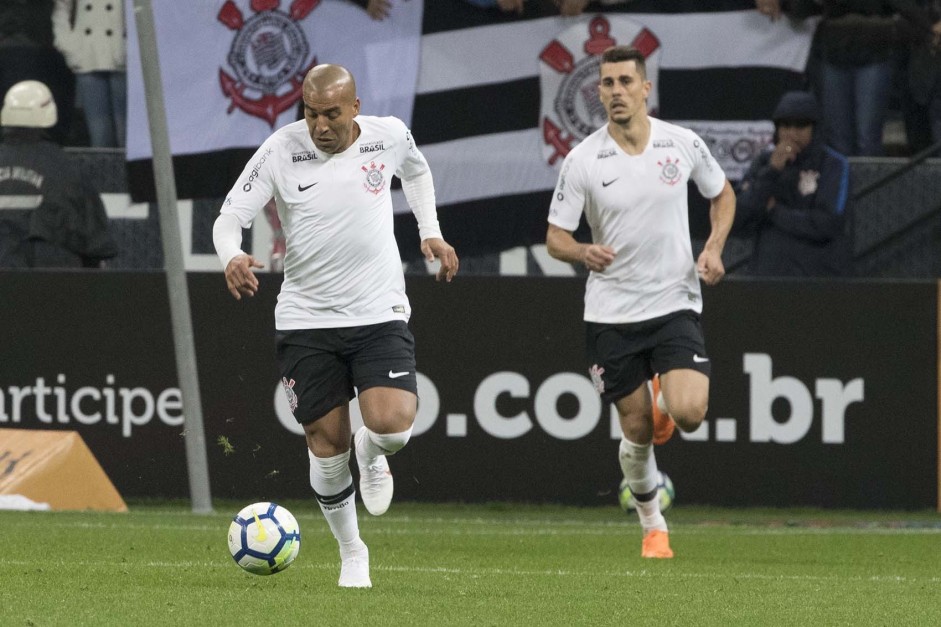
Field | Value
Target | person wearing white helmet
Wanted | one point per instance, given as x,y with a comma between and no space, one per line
29,104
50,216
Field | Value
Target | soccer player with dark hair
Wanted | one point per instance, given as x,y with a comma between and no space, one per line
643,300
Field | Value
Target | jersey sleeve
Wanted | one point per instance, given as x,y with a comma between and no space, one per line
255,185
568,197
411,161
706,171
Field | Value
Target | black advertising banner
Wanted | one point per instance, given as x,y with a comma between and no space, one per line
823,393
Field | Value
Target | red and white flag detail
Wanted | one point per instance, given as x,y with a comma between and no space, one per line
568,71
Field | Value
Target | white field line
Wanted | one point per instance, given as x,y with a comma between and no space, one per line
529,528
886,525
501,572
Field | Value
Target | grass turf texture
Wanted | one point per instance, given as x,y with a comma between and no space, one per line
493,564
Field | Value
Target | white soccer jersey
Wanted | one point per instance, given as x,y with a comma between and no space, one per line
637,204
342,266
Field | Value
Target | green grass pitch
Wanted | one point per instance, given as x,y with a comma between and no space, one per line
497,564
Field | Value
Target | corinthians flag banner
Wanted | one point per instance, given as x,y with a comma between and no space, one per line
494,100
232,73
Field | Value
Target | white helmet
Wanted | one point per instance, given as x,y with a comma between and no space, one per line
29,103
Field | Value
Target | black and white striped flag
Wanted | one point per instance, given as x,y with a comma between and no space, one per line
500,102
494,100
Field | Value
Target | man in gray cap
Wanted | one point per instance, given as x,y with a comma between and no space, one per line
793,199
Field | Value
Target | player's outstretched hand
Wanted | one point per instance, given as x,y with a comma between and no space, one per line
240,277
378,9
436,248
710,267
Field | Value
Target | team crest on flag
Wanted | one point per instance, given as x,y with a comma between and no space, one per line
269,57
568,69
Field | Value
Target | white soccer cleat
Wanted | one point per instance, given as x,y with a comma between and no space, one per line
354,568
375,478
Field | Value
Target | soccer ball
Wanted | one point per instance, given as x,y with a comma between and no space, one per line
664,489
264,538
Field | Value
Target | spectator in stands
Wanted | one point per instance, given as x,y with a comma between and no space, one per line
565,7
507,6
377,9
90,33
924,78
27,53
860,43
49,215
794,196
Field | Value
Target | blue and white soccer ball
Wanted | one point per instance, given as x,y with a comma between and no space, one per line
264,538
664,490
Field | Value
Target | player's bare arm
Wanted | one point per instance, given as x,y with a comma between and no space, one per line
721,214
436,248
562,245
239,276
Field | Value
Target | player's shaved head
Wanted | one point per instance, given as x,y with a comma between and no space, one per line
331,81
330,107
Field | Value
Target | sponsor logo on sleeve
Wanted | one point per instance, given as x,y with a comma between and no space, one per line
256,170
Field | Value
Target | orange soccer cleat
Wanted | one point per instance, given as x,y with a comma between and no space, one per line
657,545
663,425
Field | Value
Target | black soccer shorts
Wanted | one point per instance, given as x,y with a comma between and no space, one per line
322,369
624,356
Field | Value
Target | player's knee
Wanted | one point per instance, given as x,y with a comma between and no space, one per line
689,416
391,442
392,423
637,428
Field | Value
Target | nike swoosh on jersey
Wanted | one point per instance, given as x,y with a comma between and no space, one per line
700,360
606,183
304,189
396,375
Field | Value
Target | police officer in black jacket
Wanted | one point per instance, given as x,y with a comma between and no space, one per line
50,216
793,199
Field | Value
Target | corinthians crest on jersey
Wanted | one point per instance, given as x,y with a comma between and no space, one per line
269,56
375,181
569,75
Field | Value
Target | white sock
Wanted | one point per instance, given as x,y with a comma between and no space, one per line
332,481
376,444
639,465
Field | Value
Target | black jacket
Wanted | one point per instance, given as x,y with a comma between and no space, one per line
805,233
859,32
50,216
